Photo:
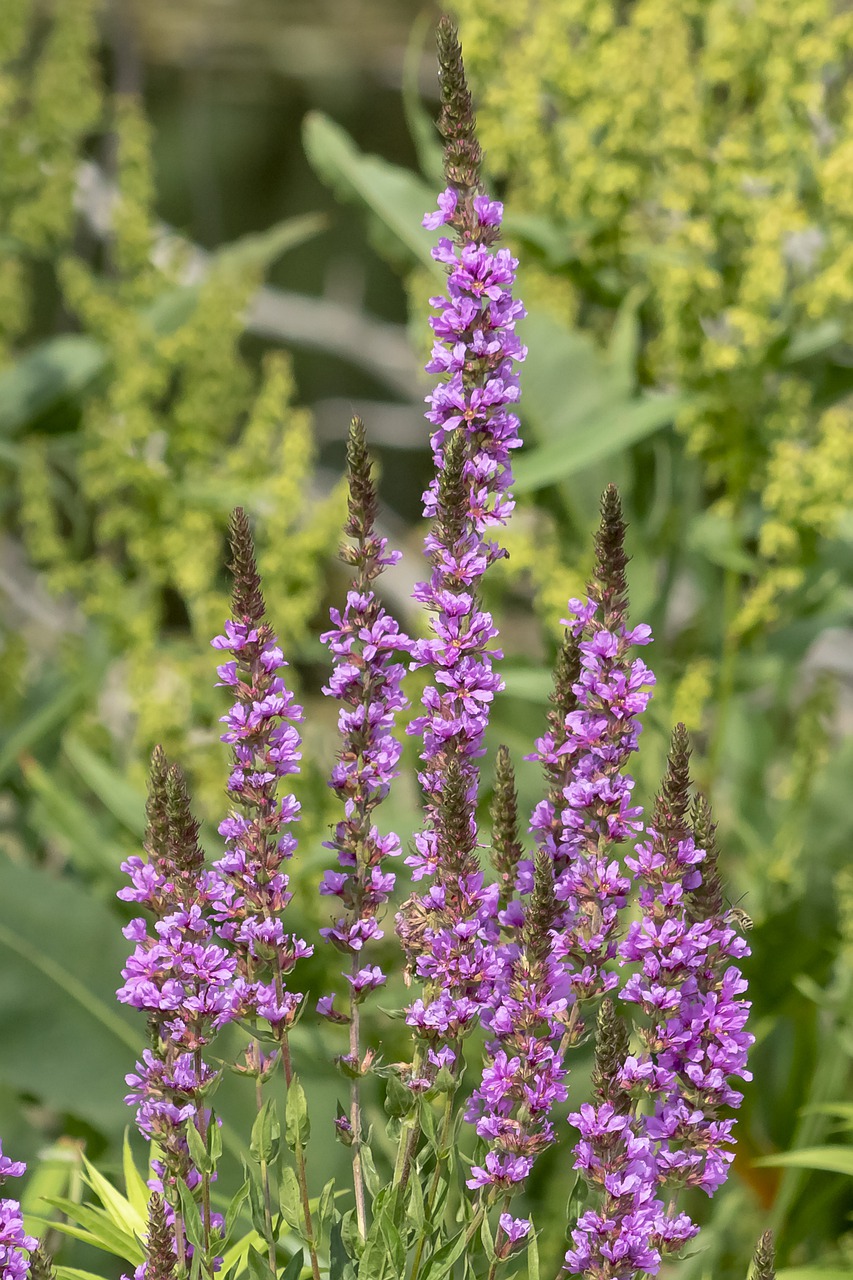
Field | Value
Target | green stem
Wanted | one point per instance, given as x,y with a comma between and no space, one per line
496,1260
301,1175
355,1109
265,1173
205,1177
408,1134
433,1190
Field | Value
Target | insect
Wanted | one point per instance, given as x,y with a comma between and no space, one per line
738,917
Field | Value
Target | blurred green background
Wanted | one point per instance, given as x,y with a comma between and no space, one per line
210,255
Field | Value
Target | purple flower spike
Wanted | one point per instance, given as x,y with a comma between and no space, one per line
365,643
261,728
15,1244
688,983
177,974
631,1227
449,931
524,1075
599,694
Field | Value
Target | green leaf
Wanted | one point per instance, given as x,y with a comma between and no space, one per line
53,371
297,1123
340,1264
234,1259
266,1132
487,1238
68,821
815,1273
827,1159
812,342
192,1216
394,1243
259,1265
95,1226
293,1270
257,1208
326,1207
429,1123
592,440
61,954
111,787
74,1273
235,1205
351,1234
119,1208
532,1254
716,537
394,194
134,1184
443,1259
623,349
415,1208
251,253
47,712
374,1258
199,1153
371,1177
399,1100
289,1198
577,399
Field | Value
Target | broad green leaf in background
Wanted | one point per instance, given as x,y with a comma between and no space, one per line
398,197
579,400
254,252
827,1159
61,954
63,367
118,795
53,371
50,704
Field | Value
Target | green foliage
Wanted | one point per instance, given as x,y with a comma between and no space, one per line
126,512
716,183
678,182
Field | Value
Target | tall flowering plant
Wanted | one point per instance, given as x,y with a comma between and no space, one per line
605,924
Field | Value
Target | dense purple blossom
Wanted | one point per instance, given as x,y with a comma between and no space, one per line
178,974
524,1074
630,1228
365,643
589,809
15,1244
475,430
261,729
689,986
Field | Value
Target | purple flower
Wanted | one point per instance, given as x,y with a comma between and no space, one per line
365,643
594,730
15,1244
688,986
476,350
177,974
261,728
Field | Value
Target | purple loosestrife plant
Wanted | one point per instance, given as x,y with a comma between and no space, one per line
568,938
261,729
688,986
365,643
565,916
449,930
184,980
16,1247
